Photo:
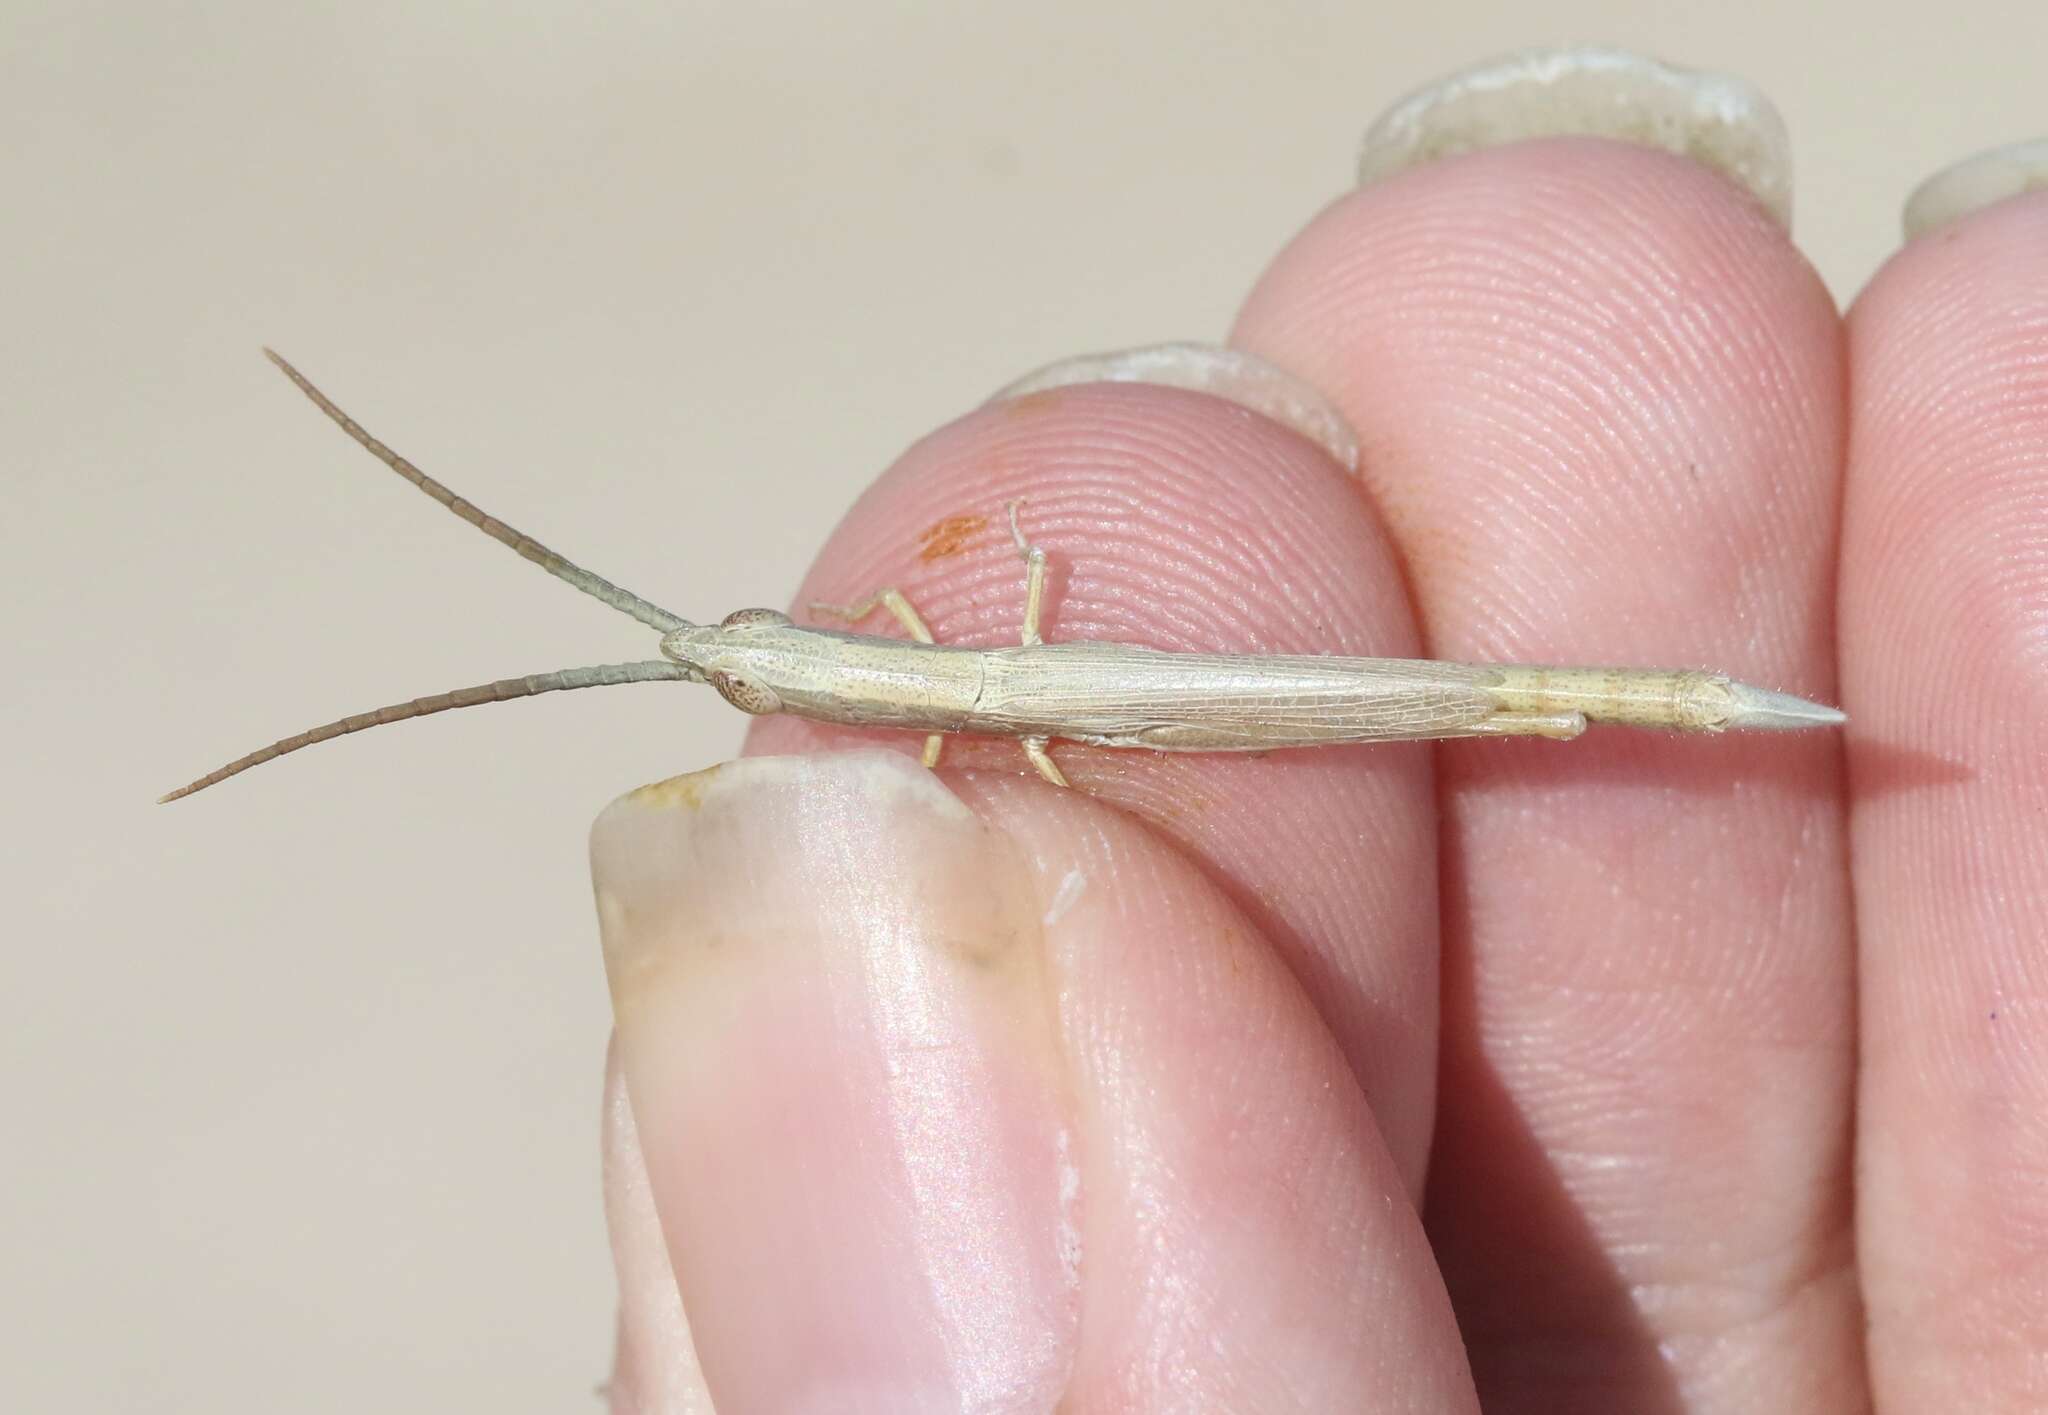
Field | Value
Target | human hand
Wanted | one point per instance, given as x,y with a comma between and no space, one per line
1507,1072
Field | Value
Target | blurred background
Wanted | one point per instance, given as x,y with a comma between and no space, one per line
300,1078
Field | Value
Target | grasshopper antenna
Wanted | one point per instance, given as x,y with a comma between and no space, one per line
505,689
603,675
596,586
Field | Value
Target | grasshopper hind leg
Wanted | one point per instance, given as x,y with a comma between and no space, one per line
1558,726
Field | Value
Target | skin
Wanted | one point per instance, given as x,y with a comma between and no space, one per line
1645,1074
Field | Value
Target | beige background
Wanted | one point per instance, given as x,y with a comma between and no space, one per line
300,1077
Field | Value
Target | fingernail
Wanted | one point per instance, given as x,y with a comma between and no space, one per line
1716,119
1975,183
1231,374
839,1039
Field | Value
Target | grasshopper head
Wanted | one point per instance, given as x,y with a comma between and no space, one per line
728,656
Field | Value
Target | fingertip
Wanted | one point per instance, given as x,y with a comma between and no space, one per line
845,1081
1177,520
1944,603
1572,362
1600,394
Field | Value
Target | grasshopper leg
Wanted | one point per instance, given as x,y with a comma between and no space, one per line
1035,749
889,598
905,613
1034,600
1559,726
1034,585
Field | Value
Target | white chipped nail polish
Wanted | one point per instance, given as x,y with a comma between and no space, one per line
1716,119
1230,374
1975,183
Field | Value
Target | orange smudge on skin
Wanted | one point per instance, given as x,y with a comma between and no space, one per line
950,536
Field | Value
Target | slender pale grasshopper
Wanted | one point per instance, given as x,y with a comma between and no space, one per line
1105,694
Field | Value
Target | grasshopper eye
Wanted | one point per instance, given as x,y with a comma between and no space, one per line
753,616
745,693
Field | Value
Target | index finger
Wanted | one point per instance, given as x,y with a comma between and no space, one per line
1185,521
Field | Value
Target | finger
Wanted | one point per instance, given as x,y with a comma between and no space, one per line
1598,397
654,1367
992,1104
1944,607
1185,522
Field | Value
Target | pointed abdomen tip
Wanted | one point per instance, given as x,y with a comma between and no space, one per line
1759,709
